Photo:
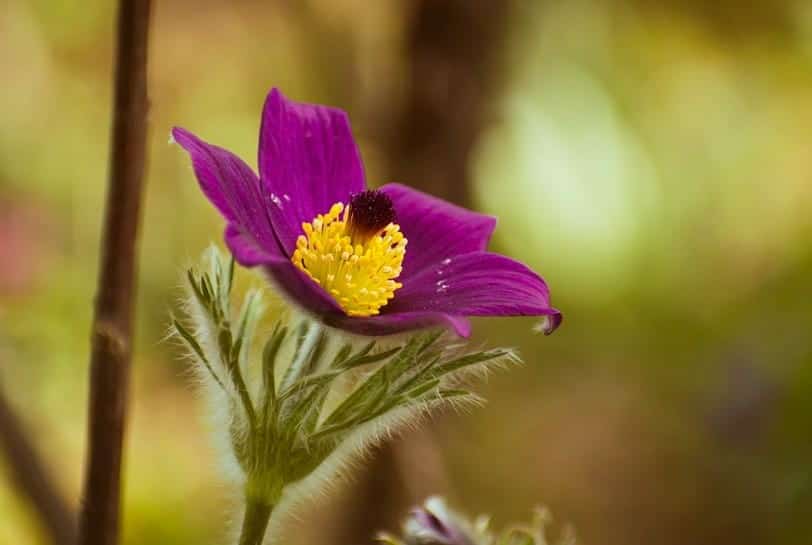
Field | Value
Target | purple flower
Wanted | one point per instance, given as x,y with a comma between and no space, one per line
433,523
369,262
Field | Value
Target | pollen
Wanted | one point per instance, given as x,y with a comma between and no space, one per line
357,267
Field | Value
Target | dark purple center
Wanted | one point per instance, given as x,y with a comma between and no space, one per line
370,211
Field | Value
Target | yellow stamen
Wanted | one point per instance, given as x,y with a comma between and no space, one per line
360,274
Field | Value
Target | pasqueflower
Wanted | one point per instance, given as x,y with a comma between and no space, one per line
371,262
434,523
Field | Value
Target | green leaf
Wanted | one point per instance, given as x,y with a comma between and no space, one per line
380,379
269,352
190,339
451,392
245,397
313,416
217,273
429,339
359,360
408,356
195,346
195,285
249,314
293,421
417,392
360,354
466,361
322,379
205,287
230,275
309,343
315,354
235,351
301,334
422,372
246,314
326,432
372,407
239,443
224,342
269,360
352,401
342,354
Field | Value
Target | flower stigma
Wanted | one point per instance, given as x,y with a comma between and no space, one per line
355,252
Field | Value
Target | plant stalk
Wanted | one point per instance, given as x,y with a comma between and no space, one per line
255,521
111,337
29,473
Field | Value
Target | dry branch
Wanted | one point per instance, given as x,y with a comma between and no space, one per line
111,335
29,474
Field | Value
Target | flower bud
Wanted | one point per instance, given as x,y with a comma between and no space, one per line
434,523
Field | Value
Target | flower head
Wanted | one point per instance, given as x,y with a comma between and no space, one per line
349,255
434,523
373,262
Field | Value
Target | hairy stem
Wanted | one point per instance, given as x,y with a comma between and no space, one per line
111,338
255,521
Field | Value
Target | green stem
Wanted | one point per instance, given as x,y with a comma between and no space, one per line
255,521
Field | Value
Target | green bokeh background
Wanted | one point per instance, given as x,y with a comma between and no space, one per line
651,159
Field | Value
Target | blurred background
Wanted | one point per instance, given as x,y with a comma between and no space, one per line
650,158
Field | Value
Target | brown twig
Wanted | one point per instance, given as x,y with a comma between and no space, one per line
111,336
28,473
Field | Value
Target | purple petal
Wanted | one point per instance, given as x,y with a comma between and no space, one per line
550,323
301,289
476,284
391,324
434,523
308,161
428,523
234,189
245,249
436,229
